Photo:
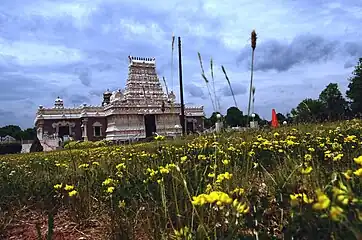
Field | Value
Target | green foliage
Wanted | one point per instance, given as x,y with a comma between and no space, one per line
17,133
335,105
354,91
234,117
10,148
309,110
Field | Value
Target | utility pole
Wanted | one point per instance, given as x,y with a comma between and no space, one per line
181,88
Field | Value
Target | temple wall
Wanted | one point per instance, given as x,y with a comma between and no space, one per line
90,130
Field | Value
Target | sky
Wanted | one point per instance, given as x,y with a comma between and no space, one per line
77,49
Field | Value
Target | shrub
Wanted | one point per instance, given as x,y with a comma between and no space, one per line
9,148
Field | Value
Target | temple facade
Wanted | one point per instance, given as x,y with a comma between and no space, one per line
137,112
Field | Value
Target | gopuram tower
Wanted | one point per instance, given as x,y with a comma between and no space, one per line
143,108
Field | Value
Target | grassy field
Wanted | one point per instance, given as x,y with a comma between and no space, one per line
301,183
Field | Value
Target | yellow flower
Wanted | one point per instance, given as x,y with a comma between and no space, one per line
72,193
358,160
108,181
225,162
311,149
308,157
347,174
306,170
251,153
358,172
68,187
294,199
121,204
336,213
183,159
306,199
338,157
110,189
323,201
58,186
211,175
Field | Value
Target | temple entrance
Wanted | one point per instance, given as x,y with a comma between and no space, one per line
150,125
190,127
63,131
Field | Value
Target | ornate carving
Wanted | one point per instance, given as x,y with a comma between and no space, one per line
63,124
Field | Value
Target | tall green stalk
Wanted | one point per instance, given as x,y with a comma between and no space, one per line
253,46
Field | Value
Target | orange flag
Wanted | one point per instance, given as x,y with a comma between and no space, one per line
274,122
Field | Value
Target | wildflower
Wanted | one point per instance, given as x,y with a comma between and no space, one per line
306,170
58,186
68,187
239,191
121,204
72,193
347,174
251,153
108,181
358,160
358,172
211,175
311,149
336,213
338,157
225,162
307,157
84,165
240,207
322,201
110,189
183,159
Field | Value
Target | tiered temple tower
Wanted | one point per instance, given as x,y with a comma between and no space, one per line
145,106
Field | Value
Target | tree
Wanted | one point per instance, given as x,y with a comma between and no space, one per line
309,110
234,117
281,118
354,92
333,101
209,122
17,133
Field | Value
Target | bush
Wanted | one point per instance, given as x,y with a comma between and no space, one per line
9,148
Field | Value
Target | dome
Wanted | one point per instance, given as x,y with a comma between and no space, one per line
107,92
58,99
116,95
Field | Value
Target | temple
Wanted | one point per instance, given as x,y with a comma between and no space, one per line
137,112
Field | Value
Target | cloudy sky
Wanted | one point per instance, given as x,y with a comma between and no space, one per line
78,48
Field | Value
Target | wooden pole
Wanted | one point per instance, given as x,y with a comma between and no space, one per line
181,88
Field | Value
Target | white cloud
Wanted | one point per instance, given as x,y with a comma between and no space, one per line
38,54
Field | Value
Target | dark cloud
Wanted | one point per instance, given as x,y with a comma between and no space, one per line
85,76
77,99
281,56
238,89
194,91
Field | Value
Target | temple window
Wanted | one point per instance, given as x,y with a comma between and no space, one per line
97,129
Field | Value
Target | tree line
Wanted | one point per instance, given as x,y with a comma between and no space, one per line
17,133
331,105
